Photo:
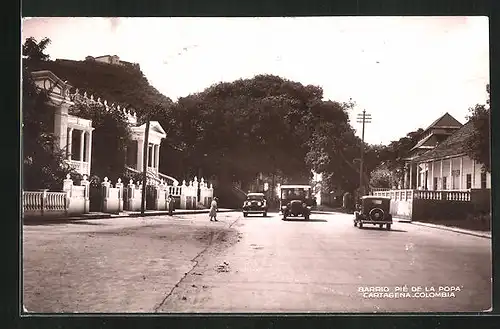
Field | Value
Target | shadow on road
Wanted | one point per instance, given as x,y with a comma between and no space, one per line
47,222
291,219
368,228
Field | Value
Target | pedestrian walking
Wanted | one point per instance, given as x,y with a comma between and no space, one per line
213,210
170,204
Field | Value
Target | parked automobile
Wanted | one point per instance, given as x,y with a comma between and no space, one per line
373,210
296,201
255,203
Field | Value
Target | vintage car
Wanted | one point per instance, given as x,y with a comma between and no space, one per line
255,203
296,201
373,210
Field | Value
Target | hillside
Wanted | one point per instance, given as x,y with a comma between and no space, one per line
121,85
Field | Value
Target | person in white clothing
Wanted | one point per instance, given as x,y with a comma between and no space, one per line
213,210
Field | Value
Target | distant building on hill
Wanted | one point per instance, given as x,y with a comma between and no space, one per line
113,60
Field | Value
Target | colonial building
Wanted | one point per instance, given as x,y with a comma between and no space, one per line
75,134
431,137
113,60
447,166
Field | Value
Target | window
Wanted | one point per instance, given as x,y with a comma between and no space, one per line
435,184
468,181
444,183
483,180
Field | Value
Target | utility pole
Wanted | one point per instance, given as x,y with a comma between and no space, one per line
362,118
145,158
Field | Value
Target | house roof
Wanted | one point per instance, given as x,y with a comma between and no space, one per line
453,145
445,121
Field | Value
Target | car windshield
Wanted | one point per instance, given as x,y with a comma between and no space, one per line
296,193
255,197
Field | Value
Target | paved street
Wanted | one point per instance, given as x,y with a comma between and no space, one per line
252,264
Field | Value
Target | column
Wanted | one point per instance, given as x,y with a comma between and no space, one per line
140,152
157,157
461,172
69,146
442,174
89,150
451,177
150,155
405,176
473,173
82,144
432,176
411,175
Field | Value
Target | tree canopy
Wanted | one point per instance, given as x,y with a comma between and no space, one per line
266,124
478,144
34,51
123,85
110,138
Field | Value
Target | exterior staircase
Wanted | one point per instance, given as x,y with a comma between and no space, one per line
154,177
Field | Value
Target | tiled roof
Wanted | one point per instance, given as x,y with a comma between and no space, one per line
446,120
453,145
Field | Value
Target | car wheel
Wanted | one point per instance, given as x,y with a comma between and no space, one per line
355,224
284,218
264,214
360,225
381,225
388,227
306,217
245,214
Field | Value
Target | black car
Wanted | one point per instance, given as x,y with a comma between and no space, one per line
296,201
255,204
373,210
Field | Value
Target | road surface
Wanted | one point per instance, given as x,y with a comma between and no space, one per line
252,264
328,265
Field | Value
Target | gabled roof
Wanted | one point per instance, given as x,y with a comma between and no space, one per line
47,80
445,121
453,145
154,126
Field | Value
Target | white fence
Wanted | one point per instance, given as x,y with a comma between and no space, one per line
75,199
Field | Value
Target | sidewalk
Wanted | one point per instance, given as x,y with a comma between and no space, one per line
101,215
447,228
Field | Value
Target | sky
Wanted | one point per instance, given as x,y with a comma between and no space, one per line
404,71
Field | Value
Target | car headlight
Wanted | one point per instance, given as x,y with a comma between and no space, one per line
304,205
258,203
283,207
308,207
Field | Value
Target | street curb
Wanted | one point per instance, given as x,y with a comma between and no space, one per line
134,214
453,229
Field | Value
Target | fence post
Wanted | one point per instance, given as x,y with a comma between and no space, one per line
119,186
68,188
183,195
130,195
43,201
86,194
105,194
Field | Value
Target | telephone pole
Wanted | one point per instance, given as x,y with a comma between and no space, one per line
362,118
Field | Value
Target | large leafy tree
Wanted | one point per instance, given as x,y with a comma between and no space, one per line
478,144
392,156
110,138
236,130
34,51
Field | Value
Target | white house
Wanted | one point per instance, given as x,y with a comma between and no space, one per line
447,166
74,133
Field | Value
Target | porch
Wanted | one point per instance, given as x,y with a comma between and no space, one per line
420,205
